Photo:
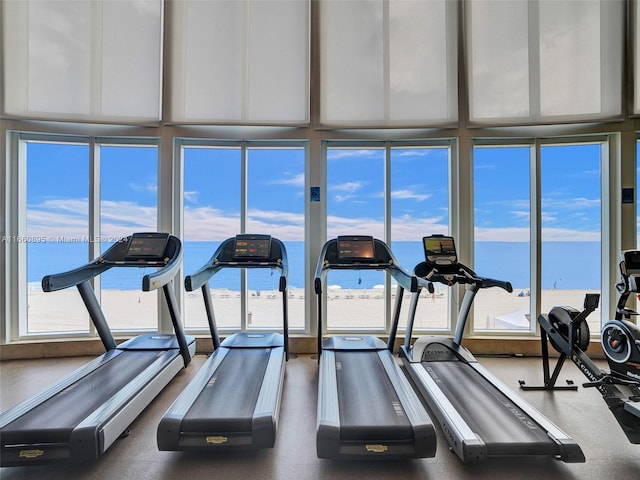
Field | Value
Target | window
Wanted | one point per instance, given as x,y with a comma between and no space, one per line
275,206
57,233
410,202
214,210
635,194
571,226
502,215
62,234
420,207
355,206
128,204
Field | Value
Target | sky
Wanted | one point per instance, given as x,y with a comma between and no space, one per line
57,192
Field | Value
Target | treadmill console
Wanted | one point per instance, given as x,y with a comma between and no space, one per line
147,246
352,249
252,247
440,251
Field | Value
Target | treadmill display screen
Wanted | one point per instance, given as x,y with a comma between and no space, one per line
147,246
440,250
252,246
355,248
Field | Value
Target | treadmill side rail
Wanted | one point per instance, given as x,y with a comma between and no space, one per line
461,438
96,433
328,415
571,451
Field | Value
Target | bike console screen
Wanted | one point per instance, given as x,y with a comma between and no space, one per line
631,260
440,251
147,246
257,247
355,249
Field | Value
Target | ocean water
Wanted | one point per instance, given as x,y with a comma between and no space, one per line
566,265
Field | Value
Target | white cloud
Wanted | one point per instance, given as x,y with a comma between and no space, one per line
191,196
150,187
294,181
69,218
409,194
336,154
349,187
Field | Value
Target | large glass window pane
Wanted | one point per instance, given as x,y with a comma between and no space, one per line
211,215
128,204
355,206
502,236
420,207
571,227
57,233
275,204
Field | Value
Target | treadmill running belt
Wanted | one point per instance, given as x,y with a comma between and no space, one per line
369,406
53,420
505,429
228,400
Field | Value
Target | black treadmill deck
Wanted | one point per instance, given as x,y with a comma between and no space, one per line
504,428
366,394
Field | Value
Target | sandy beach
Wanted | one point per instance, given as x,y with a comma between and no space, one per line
494,309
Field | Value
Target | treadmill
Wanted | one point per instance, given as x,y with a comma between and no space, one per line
82,415
233,402
366,406
479,415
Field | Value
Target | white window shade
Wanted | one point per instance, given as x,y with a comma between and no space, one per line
240,61
88,61
548,60
388,62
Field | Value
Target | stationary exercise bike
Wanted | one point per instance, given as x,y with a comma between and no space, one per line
566,329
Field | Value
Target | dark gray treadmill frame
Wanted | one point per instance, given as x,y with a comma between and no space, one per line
330,428
462,439
172,434
99,429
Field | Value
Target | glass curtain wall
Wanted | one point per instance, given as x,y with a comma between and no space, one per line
502,216
59,229
355,206
571,227
128,204
57,233
217,179
419,192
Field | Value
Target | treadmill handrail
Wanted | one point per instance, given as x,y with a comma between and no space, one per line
397,271
386,261
214,265
200,279
453,274
168,268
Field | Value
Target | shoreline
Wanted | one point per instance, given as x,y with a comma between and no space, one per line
494,309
